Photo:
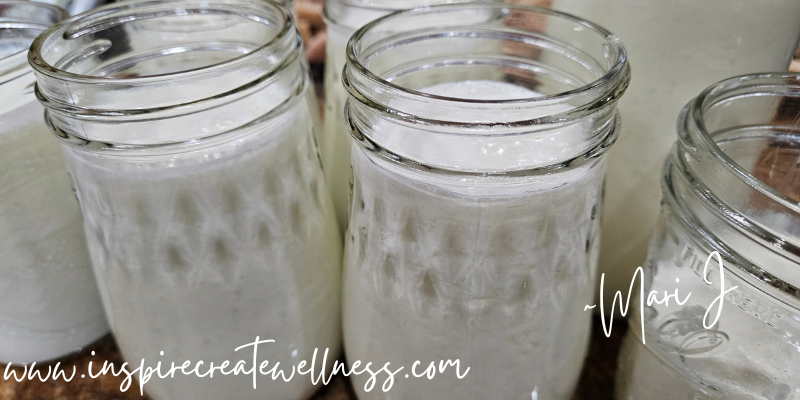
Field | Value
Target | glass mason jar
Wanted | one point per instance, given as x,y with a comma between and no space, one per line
185,127
677,48
478,164
343,18
730,185
49,305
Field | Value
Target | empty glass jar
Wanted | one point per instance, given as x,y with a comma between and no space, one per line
49,304
343,18
677,49
730,185
477,176
186,128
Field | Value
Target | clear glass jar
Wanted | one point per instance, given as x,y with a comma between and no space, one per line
186,129
730,185
343,18
480,133
677,49
49,305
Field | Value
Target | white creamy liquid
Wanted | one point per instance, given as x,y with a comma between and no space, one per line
199,252
497,279
481,90
49,306
676,49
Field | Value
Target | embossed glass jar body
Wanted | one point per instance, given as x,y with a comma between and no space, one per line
343,18
730,185
49,304
209,224
476,191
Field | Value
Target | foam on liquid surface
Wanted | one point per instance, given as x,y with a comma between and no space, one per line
481,90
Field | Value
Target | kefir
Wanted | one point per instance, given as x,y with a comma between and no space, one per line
474,227
205,208
49,306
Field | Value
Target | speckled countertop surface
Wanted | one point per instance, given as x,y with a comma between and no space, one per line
596,382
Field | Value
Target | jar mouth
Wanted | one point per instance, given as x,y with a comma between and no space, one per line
144,74
734,174
100,48
702,141
20,23
578,69
359,53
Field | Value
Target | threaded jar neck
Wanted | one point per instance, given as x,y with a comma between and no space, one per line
733,177
579,69
174,70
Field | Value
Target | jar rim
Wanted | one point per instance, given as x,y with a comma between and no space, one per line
696,145
618,73
588,74
39,12
36,59
244,63
696,113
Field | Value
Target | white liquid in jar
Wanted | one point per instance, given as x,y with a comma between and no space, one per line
436,270
49,306
200,252
481,90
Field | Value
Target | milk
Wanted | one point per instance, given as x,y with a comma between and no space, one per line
481,90
201,250
493,271
49,305
676,49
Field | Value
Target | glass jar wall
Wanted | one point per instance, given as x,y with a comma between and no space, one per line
477,176
730,186
186,127
343,18
677,48
49,305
